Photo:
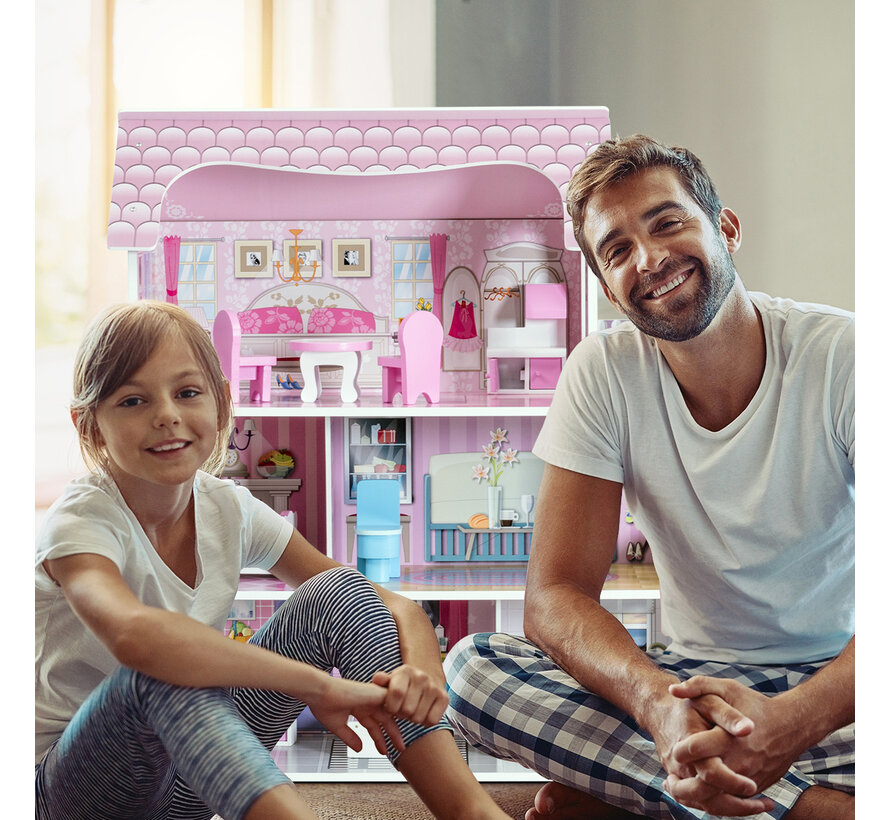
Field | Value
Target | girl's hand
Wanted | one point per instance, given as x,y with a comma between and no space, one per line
413,694
364,701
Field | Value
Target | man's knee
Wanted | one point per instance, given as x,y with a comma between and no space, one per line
471,674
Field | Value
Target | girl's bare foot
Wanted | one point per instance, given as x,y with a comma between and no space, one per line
558,802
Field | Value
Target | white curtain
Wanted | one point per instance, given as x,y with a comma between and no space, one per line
353,53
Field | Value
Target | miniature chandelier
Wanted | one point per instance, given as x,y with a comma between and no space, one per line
309,256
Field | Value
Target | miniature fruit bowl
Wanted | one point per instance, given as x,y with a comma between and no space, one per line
276,464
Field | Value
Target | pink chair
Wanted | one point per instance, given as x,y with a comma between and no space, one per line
227,341
417,368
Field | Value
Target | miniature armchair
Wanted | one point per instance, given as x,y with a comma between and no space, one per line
378,530
258,369
417,370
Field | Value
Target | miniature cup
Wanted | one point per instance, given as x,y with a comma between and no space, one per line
508,517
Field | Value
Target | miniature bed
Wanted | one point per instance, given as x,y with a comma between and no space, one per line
451,498
282,314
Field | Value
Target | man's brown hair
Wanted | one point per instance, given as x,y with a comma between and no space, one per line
615,160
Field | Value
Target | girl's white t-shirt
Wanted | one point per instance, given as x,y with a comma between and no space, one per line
234,530
751,527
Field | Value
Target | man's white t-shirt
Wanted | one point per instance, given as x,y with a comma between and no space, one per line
751,527
234,530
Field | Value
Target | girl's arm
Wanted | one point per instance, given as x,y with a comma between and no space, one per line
177,649
419,685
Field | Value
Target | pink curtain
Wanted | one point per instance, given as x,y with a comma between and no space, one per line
171,267
437,258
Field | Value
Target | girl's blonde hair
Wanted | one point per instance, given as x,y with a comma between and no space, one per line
120,341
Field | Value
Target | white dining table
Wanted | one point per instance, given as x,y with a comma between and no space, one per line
341,353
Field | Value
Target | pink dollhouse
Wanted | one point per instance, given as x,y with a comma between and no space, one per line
323,230
302,240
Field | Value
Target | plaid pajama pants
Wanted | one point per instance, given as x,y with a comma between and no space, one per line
142,748
510,700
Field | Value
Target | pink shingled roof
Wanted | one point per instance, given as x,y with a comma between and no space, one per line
155,147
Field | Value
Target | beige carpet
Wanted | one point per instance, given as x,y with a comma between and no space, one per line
396,801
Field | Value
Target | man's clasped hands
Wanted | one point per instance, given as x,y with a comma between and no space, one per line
722,744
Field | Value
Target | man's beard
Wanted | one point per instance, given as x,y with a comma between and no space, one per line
691,313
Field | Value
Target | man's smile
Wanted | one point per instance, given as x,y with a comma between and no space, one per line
667,287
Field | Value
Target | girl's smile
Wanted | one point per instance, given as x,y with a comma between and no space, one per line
160,426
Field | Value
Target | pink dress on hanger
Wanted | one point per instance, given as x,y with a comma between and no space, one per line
462,335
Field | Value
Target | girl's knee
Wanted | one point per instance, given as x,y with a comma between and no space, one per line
335,583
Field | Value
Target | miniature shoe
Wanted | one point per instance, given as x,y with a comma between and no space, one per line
292,384
630,550
638,552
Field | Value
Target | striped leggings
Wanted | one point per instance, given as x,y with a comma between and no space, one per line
141,748
509,699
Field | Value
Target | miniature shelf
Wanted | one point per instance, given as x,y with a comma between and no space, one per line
278,489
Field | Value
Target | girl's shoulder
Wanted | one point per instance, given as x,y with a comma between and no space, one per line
84,495
90,515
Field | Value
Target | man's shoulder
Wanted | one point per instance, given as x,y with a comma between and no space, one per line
621,338
801,313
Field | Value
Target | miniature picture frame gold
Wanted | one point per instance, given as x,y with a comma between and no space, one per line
351,257
306,249
253,259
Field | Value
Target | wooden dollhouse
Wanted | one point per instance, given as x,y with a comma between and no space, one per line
330,227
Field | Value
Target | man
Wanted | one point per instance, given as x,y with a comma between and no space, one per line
727,418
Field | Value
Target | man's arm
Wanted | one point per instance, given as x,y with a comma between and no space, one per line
576,528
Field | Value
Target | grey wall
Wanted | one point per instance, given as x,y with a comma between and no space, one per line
761,90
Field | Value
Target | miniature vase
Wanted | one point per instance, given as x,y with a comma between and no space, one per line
494,507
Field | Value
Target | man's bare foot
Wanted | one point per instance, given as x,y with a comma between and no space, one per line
558,802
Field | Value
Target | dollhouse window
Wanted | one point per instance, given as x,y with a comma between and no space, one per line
412,275
197,277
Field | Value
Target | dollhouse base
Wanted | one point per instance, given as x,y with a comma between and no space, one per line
317,757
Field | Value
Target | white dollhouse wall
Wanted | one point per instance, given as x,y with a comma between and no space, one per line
510,336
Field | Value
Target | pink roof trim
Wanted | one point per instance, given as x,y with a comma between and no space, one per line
163,144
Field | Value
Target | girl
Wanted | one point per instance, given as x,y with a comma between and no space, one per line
143,707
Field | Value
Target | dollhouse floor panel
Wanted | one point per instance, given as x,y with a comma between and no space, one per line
473,581
370,404
319,756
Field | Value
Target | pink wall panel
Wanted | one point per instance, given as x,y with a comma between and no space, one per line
304,437
466,247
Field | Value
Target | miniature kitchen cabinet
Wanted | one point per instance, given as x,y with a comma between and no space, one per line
377,449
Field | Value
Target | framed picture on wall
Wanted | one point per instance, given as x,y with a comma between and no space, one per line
309,253
351,257
253,259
